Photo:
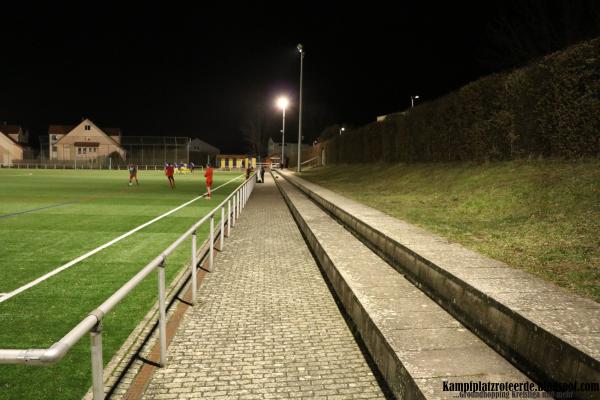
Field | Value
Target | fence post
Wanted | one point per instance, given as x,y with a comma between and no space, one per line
212,242
234,211
222,228
162,322
97,363
229,221
194,264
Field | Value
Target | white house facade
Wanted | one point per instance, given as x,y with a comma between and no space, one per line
85,141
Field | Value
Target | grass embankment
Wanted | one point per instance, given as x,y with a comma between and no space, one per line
48,218
539,216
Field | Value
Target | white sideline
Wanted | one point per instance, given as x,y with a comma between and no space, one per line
6,296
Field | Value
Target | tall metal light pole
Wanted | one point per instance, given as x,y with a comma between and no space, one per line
301,50
412,101
282,103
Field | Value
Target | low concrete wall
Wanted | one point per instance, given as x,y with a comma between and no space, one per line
533,340
396,376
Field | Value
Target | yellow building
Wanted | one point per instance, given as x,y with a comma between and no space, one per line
235,161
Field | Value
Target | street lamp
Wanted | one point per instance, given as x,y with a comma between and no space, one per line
301,50
412,101
282,103
342,129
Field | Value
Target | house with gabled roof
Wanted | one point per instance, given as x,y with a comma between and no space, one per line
12,143
85,141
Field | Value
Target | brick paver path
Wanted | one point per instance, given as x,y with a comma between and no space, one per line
267,325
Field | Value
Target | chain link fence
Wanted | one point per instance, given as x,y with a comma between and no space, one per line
149,151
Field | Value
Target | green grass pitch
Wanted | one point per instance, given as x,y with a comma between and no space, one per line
73,213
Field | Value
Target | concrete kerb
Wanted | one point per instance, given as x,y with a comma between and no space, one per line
391,368
122,368
544,356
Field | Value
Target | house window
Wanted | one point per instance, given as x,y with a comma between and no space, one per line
54,148
84,150
53,137
79,150
87,128
95,149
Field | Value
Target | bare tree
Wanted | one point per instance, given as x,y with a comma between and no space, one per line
255,130
528,29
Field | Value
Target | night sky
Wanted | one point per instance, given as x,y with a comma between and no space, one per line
199,71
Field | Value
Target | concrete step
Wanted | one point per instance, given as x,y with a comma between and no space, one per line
416,345
550,334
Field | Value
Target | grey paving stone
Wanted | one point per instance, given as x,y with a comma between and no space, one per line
266,325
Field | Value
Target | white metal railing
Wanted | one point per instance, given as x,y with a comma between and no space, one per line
308,161
235,202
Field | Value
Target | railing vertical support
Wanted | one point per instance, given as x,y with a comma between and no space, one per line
162,322
235,207
212,243
222,242
97,363
229,218
194,265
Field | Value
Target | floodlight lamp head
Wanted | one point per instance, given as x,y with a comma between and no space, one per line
300,48
282,102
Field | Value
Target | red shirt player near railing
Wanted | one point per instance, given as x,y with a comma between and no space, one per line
208,174
169,170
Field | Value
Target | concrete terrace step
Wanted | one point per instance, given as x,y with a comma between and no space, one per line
552,335
414,342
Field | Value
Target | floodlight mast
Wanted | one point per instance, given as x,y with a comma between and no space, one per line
301,50
282,103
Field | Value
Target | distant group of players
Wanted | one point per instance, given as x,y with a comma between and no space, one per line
170,171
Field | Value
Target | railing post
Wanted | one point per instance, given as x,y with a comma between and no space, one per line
194,264
229,218
162,322
235,207
222,228
212,242
97,363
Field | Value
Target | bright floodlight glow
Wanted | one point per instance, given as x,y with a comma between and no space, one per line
343,129
282,102
416,97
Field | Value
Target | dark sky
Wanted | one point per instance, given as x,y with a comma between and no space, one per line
181,69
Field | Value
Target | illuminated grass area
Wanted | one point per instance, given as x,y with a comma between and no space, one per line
78,211
539,216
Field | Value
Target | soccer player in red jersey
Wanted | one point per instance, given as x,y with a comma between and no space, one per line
209,179
169,170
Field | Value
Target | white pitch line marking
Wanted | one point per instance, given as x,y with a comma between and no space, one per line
50,274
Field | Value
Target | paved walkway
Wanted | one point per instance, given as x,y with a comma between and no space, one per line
267,325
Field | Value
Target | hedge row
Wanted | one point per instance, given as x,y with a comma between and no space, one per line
550,108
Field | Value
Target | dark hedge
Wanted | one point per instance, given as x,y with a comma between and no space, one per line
550,108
